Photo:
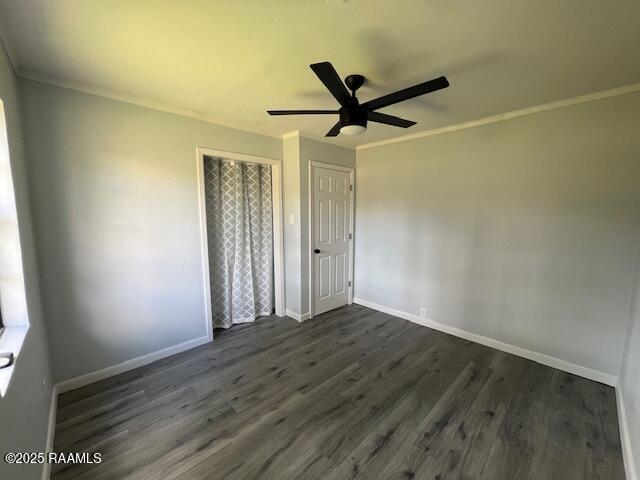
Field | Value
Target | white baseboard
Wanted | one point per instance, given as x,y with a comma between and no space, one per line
51,429
625,438
107,372
605,378
88,378
297,316
542,358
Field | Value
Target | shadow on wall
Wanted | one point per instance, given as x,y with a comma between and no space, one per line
123,247
385,74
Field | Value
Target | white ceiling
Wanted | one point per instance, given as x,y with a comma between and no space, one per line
231,60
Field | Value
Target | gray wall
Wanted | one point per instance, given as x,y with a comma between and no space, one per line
292,232
24,409
524,231
114,196
630,373
298,152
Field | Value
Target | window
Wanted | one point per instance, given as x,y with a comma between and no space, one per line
6,358
14,317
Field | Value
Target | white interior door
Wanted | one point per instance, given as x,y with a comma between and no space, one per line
330,246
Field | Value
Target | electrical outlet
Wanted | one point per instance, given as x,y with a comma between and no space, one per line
423,312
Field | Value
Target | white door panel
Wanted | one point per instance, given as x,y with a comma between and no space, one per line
340,219
340,285
324,224
324,272
331,222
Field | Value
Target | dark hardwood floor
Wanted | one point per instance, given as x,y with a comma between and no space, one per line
351,394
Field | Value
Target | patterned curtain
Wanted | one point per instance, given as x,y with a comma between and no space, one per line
240,236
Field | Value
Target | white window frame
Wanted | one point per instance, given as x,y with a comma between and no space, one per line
13,297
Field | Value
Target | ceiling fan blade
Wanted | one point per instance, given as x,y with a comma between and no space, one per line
407,93
335,130
389,120
301,112
328,75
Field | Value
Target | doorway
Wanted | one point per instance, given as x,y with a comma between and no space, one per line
240,203
331,234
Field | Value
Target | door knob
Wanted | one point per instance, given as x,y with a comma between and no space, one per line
316,251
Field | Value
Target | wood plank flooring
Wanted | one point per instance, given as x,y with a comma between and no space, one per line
351,394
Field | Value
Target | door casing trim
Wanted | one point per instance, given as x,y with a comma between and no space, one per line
351,171
278,226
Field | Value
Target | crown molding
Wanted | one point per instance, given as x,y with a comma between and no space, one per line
317,138
309,136
163,107
295,133
590,97
141,102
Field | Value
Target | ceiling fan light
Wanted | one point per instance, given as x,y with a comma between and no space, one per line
352,129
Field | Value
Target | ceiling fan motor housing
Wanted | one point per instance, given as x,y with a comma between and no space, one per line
353,115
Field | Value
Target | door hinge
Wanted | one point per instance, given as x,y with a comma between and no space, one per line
351,236
349,282
351,188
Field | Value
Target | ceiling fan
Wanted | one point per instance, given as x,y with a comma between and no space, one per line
353,115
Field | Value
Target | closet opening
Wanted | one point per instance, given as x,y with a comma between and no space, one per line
242,239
